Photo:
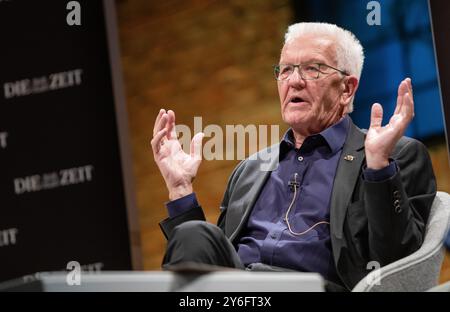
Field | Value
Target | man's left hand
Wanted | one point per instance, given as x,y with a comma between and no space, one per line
380,141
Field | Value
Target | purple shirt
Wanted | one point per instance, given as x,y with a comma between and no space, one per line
266,238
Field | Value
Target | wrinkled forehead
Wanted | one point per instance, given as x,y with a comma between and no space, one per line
309,48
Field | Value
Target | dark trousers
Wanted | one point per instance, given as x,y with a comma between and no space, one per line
199,242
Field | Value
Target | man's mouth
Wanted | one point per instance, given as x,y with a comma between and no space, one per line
296,99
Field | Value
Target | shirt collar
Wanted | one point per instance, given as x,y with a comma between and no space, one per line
333,136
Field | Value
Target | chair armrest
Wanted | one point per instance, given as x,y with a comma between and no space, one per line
420,270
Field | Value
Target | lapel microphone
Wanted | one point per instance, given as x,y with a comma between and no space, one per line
294,184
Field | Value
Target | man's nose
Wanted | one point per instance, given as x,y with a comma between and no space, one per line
296,80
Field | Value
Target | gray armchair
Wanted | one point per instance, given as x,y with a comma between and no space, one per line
420,270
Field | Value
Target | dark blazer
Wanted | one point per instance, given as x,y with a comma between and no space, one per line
369,221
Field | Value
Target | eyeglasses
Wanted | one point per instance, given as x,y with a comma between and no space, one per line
309,71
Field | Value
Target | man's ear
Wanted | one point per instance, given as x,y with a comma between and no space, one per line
349,86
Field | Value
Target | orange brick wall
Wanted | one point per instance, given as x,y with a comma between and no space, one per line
200,58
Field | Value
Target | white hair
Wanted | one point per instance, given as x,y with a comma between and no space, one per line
349,51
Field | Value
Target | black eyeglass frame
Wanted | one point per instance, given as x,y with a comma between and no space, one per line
299,66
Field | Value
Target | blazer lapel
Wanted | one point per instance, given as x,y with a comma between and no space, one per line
248,191
347,174
344,182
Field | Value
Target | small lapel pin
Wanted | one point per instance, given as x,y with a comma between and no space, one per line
349,157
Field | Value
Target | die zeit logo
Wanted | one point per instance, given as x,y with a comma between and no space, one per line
8,237
3,141
52,180
36,85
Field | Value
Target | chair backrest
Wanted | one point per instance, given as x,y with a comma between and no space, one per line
420,270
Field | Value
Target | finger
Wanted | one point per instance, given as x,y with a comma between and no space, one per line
162,122
410,88
171,129
158,117
196,146
376,116
408,107
157,139
402,89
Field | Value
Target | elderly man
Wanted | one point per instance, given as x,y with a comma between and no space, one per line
339,197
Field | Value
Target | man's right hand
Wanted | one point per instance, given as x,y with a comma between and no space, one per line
177,168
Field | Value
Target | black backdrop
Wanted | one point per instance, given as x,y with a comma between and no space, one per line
62,194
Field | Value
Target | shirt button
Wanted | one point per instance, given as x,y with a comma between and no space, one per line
300,158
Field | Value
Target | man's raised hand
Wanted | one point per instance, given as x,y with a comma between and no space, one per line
177,168
380,141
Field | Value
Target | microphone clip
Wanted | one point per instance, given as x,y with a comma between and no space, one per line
294,185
